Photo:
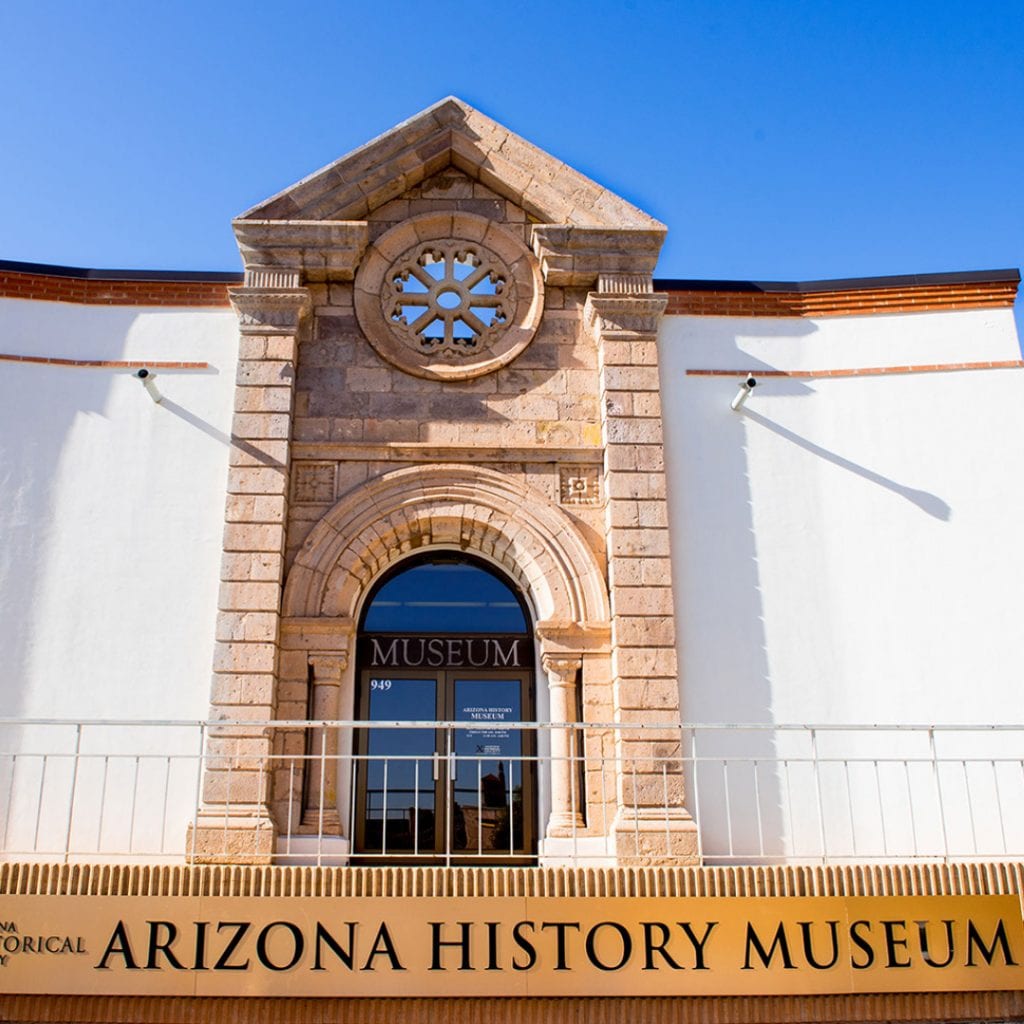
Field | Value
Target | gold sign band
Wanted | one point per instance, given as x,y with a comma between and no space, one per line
509,946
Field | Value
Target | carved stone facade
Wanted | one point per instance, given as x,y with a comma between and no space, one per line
448,342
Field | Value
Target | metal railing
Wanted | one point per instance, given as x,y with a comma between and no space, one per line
129,791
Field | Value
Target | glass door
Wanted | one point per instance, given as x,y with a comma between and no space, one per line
438,794
491,774
398,769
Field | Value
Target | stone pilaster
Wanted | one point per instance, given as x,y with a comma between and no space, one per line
566,807
320,800
652,824
234,822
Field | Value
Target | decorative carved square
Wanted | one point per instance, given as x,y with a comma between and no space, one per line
580,485
313,482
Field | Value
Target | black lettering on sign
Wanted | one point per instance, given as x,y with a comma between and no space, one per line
657,945
298,945
624,938
525,945
805,927
922,928
974,940
383,946
463,942
323,936
156,946
118,944
200,959
560,928
894,944
492,945
241,927
698,944
861,943
780,943
439,652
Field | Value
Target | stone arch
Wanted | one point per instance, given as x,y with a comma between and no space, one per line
448,506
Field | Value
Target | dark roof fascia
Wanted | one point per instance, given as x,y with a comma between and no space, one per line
664,284
844,284
87,274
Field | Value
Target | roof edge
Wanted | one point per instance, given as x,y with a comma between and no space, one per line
1007,275
840,284
93,274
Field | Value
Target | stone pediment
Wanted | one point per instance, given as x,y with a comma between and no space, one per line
452,134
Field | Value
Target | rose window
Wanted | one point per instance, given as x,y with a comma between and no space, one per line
449,295
447,299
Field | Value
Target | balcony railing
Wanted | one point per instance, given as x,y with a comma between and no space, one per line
759,794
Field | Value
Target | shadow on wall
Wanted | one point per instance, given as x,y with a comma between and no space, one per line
742,795
924,500
43,408
219,435
38,408
735,794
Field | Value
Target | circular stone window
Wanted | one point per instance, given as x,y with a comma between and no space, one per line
449,296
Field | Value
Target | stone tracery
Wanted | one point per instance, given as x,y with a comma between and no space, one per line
448,298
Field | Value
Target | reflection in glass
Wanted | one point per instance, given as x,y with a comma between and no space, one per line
445,597
487,783
399,807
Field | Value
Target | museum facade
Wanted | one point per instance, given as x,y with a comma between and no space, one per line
572,629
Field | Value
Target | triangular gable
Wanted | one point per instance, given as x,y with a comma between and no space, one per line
453,134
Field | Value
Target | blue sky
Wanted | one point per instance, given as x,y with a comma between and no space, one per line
776,140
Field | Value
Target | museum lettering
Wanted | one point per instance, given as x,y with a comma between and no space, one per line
556,945
484,652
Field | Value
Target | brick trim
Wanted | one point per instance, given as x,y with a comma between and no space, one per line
842,301
867,371
38,287
850,297
105,364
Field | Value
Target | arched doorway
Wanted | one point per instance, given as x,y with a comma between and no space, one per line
445,638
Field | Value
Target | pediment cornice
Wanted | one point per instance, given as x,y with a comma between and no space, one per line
453,134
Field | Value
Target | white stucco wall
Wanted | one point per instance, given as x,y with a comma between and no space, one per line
846,550
111,511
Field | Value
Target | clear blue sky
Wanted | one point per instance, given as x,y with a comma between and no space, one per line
776,140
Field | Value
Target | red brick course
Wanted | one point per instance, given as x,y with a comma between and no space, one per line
108,364
89,291
850,302
867,371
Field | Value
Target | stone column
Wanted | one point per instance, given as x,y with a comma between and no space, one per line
566,811
320,800
652,824
234,822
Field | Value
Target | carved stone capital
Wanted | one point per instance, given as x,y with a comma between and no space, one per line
561,669
270,311
577,256
329,666
624,316
317,250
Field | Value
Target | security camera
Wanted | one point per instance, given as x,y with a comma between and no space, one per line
746,386
149,383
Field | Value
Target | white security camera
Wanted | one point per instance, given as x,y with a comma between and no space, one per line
746,386
149,383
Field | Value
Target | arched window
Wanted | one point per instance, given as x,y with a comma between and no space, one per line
445,638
